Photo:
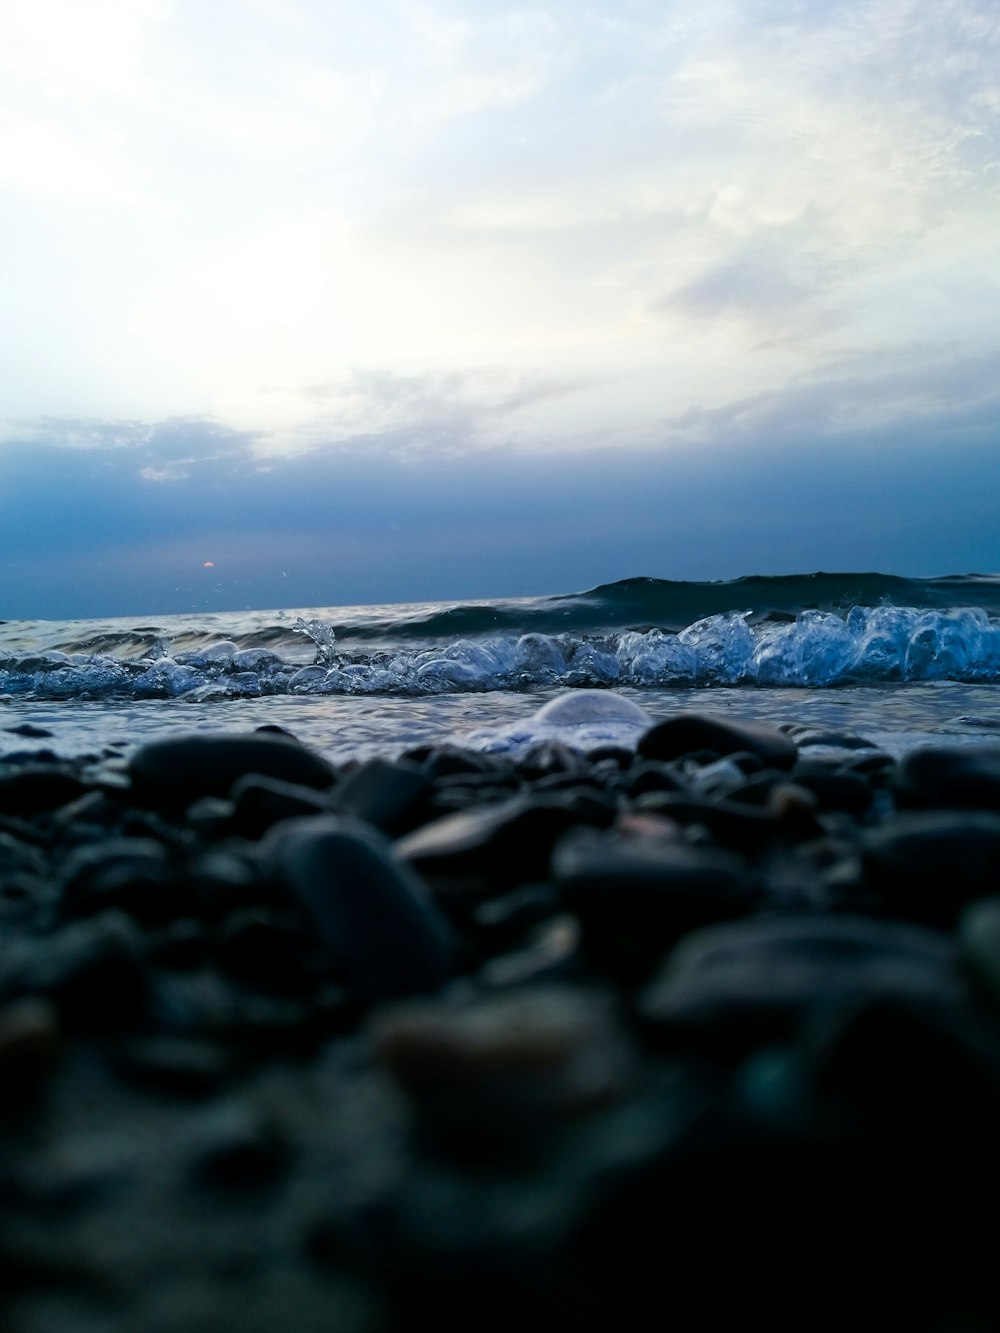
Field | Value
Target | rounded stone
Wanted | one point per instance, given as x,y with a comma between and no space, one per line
178,770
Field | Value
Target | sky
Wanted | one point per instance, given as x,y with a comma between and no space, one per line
307,303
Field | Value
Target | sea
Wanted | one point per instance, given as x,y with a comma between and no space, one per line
899,662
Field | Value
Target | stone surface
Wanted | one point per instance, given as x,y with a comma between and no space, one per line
383,934
686,733
182,768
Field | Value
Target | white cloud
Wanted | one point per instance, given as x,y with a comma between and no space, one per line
677,206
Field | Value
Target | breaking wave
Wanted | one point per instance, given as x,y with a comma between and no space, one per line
814,646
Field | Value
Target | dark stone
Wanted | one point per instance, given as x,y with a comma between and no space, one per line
832,787
177,1066
93,969
373,916
961,777
259,803
447,760
637,896
737,826
686,733
925,866
29,730
478,852
37,788
131,873
650,776
182,945
499,1068
394,798
237,1148
257,947
737,985
548,758
225,879
907,1059
179,770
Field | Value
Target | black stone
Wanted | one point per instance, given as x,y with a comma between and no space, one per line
737,985
179,770
259,803
392,797
966,778
373,916
477,852
36,788
637,896
685,734
925,866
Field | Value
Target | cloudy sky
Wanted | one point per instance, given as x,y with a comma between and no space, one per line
456,298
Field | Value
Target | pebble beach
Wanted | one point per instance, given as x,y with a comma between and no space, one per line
702,1028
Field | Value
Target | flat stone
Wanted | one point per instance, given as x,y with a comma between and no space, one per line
178,770
374,917
686,733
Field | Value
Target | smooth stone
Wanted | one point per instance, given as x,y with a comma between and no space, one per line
926,865
237,1147
259,803
178,770
979,945
393,797
92,969
30,1040
649,775
956,777
686,733
373,916
907,1058
499,1065
635,896
177,1066
259,948
741,827
748,982
449,760
484,850
833,788
34,789
133,874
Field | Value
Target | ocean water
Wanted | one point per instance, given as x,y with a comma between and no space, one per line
898,661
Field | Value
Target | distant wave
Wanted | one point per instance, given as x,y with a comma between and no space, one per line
815,630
